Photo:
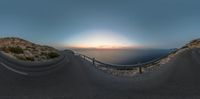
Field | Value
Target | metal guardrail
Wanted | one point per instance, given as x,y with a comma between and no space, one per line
140,66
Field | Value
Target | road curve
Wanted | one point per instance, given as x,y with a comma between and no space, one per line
79,79
32,68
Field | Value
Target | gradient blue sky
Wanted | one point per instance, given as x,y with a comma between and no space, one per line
151,23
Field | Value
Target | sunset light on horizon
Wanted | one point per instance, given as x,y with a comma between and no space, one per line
100,49
101,39
102,24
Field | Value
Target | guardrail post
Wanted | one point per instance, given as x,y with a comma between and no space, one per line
93,61
140,70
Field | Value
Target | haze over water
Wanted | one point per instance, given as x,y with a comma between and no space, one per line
124,56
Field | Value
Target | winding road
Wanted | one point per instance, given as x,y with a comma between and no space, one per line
79,79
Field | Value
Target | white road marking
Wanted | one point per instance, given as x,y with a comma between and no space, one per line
14,70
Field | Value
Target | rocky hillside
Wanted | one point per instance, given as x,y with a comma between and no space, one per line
194,44
24,50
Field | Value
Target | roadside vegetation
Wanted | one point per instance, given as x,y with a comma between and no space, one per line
16,50
27,51
50,55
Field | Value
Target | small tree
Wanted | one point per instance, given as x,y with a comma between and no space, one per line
52,55
16,50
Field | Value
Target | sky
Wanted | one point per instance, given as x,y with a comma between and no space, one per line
102,23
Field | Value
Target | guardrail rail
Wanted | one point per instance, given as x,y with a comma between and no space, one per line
140,66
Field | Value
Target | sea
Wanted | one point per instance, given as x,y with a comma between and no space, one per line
124,56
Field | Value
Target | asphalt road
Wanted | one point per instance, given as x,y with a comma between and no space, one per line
79,79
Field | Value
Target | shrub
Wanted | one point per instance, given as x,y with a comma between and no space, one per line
20,57
16,50
30,58
52,55
5,49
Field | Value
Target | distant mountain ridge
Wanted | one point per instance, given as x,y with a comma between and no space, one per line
25,50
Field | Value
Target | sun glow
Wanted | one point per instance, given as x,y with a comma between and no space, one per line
101,40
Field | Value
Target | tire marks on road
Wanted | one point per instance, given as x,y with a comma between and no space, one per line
14,70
